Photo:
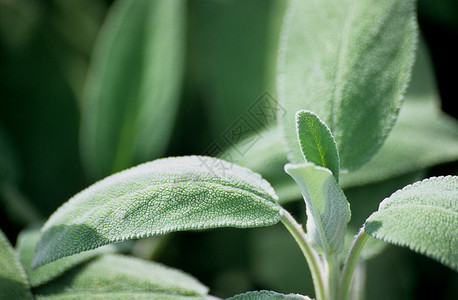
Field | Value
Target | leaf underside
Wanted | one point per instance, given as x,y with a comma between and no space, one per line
328,211
422,216
165,195
349,62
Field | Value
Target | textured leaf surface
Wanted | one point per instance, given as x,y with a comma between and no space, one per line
316,141
348,62
13,282
171,194
268,295
328,211
422,137
132,89
119,277
26,245
422,216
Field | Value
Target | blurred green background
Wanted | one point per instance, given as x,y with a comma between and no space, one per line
225,63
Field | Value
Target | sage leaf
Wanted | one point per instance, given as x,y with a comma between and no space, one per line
165,195
13,281
113,276
268,295
349,62
131,95
316,141
328,211
26,245
422,216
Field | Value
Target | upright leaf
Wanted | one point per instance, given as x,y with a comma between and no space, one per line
316,141
422,216
119,277
268,295
13,282
26,246
328,211
349,62
165,195
133,84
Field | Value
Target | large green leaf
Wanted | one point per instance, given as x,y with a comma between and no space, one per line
119,277
26,245
133,85
328,211
349,62
165,195
422,216
268,295
316,141
13,281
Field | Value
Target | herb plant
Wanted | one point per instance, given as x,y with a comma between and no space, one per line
346,117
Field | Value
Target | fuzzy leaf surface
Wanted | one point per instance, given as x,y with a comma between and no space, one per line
165,195
316,141
328,211
422,216
133,85
13,281
349,62
26,245
268,295
116,277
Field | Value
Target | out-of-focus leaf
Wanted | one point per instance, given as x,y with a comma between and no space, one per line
349,62
232,60
26,245
9,169
119,277
328,211
13,281
268,295
422,216
316,141
267,157
165,195
133,85
277,262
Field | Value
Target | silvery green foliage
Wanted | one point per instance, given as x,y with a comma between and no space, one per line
26,246
133,85
349,62
422,216
316,141
13,281
118,277
268,295
165,195
328,211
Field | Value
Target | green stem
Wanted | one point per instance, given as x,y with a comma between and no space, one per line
350,263
310,255
333,276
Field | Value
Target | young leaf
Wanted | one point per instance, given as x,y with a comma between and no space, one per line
119,277
165,195
316,141
328,211
422,216
26,245
132,90
13,282
268,295
349,62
